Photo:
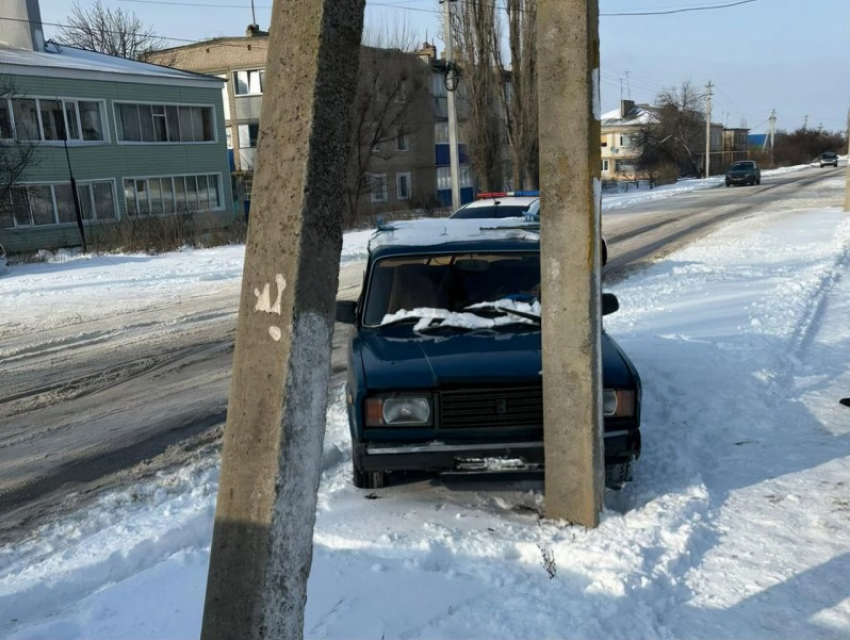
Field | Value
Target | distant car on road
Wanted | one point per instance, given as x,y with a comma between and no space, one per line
828,157
743,172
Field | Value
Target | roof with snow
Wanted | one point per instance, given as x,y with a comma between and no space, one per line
63,61
638,114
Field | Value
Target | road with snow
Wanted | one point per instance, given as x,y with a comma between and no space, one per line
89,402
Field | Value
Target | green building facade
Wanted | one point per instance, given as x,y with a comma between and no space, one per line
140,139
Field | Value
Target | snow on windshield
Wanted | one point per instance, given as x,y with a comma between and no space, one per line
450,283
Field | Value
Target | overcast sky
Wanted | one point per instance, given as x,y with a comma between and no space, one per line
788,55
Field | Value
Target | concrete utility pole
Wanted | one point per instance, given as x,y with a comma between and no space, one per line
772,133
451,104
708,129
271,463
847,185
568,81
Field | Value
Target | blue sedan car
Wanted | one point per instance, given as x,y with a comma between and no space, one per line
444,365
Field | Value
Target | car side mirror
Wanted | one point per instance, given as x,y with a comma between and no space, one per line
346,311
610,304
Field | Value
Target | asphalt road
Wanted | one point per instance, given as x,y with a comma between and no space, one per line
76,410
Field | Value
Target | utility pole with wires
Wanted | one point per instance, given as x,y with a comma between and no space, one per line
451,81
772,133
805,122
708,128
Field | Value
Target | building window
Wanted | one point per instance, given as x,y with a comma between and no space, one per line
441,132
248,135
605,165
37,205
438,85
402,186
249,83
172,194
444,177
604,141
625,141
157,123
26,119
378,182
51,120
401,141
6,130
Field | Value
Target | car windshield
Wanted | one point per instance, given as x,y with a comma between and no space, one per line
828,154
459,283
500,210
743,165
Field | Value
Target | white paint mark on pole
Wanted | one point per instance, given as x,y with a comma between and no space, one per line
264,302
274,332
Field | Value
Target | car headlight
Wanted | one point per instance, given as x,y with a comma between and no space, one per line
391,411
618,403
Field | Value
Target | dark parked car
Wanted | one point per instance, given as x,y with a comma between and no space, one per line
743,172
828,157
444,365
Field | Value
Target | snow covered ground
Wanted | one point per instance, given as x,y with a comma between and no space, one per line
737,525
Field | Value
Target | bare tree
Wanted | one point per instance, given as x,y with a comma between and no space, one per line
113,31
392,86
15,156
519,91
399,35
677,136
476,31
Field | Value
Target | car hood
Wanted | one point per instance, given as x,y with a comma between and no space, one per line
396,361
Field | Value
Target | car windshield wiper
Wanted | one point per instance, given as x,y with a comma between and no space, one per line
493,306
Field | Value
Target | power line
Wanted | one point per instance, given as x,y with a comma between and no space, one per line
682,10
401,5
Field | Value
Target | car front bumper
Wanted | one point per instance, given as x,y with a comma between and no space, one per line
740,180
442,456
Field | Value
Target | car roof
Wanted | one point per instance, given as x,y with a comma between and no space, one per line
445,234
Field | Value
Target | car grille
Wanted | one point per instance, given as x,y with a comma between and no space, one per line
499,407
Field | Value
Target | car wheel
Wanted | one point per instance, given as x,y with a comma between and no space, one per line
758,181
618,474
367,479
728,185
